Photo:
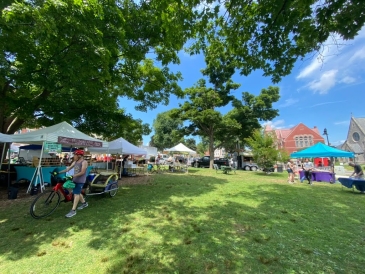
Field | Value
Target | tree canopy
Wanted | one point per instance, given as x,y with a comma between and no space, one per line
201,112
71,61
248,112
167,131
264,148
273,34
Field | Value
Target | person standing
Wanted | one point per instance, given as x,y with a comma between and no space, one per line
290,170
358,173
80,166
308,168
302,178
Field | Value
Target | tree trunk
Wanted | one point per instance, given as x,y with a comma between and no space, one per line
2,147
211,150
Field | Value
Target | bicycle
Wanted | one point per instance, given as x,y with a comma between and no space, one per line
47,202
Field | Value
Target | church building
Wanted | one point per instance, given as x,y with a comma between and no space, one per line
355,141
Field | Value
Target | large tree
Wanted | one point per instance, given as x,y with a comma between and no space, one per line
167,131
71,60
202,113
273,34
249,112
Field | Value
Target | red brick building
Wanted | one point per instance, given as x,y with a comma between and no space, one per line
296,138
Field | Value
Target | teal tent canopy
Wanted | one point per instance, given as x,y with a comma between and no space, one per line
321,150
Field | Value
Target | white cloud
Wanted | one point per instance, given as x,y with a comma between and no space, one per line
337,143
324,103
327,81
346,122
314,66
347,80
274,125
341,62
289,102
358,55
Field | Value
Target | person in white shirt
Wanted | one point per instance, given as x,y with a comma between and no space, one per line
308,167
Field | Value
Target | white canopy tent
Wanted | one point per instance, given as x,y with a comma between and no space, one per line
5,138
120,146
181,148
62,133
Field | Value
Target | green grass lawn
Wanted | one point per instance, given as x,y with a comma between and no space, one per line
201,222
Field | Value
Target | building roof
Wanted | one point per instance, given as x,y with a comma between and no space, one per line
360,122
355,147
285,132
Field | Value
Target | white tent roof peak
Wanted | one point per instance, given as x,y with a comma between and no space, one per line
120,146
181,148
59,133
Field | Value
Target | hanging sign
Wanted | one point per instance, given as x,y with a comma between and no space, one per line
79,142
50,147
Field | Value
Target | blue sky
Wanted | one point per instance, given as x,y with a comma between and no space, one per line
322,90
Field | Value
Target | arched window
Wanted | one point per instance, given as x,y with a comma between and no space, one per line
297,141
301,143
305,138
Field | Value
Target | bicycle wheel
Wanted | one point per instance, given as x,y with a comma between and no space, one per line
113,189
45,204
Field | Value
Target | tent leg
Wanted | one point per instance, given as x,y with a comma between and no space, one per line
5,145
35,175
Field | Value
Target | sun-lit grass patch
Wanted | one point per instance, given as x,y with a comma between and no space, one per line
201,222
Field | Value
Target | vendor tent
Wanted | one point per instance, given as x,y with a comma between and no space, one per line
120,146
181,148
39,147
5,138
30,151
62,133
321,150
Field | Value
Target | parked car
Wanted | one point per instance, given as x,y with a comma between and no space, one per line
205,162
250,166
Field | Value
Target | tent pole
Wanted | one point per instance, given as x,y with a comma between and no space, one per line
38,176
2,155
9,166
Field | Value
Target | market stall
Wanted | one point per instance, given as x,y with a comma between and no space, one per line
5,170
320,176
52,139
120,146
182,149
321,150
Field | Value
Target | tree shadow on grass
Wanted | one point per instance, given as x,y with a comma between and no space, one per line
22,236
196,224
228,235
270,174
